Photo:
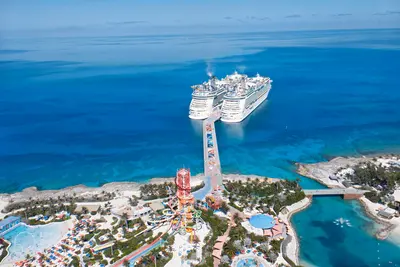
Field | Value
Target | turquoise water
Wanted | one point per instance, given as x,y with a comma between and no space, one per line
201,193
262,221
250,262
30,240
324,243
95,110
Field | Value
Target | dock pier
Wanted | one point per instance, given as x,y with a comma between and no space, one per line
212,163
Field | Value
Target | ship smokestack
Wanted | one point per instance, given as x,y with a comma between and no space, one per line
243,85
212,83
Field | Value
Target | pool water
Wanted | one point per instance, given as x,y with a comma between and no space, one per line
262,221
249,262
30,240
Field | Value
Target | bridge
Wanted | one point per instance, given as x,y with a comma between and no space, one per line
347,193
212,164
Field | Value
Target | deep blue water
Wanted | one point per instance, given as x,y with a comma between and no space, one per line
96,110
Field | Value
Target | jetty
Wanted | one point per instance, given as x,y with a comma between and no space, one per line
212,163
346,193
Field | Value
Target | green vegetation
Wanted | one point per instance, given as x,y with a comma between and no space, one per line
383,180
75,262
3,245
158,255
154,191
262,194
234,244
372,196
40,206
275,245
218,228
88,237
376,176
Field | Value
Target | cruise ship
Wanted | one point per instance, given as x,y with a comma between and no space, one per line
244,96
206,98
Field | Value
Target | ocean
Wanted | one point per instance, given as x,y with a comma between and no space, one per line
93,110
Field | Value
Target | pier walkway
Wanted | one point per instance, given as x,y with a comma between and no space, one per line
347,193
212,164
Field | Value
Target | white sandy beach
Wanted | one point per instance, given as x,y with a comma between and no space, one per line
322,170
123,190
36,238
372,210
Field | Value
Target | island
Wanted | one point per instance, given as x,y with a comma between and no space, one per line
378,175
178,221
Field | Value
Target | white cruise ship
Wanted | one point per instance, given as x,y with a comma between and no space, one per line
244,96
206,98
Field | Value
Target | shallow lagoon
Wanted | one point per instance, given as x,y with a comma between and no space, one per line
68,122
32,239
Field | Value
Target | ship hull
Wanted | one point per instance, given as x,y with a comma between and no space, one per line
206,109
248,110
198,117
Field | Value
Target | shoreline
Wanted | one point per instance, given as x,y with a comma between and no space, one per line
293,246
121,189
64,224
320,172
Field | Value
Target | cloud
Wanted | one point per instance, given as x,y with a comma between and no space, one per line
247,18
342,15
387,13
293,16
128,22
260,18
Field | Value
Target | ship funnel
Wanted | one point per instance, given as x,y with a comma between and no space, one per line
243,85
212,83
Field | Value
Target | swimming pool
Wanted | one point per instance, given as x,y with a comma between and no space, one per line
30,240
262,221
248,262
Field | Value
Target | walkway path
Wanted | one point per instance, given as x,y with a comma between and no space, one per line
212,164
334,191
217,250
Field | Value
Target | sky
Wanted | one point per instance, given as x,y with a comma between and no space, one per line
142,15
